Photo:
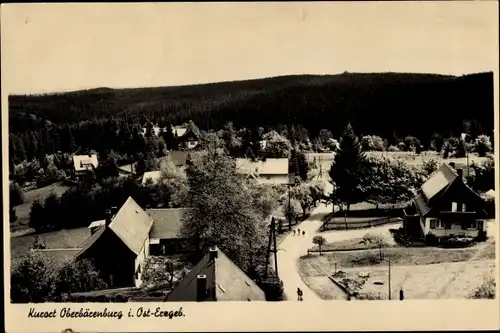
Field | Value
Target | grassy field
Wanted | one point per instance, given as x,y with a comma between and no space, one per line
315,265
326,159
70,238
435,281
23,211
355,243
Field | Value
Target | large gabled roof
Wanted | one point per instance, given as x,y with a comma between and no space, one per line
131,224
271,166
167,222
225,280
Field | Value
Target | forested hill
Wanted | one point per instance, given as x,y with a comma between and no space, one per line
417,104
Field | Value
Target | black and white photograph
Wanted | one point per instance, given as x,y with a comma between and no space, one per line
324,152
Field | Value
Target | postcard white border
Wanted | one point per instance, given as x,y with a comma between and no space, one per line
246,316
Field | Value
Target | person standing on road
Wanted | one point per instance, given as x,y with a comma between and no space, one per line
294,232
303,233
298,231
299,294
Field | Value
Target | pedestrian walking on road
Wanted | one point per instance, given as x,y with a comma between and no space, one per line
299,294
294,232
298,231
303,233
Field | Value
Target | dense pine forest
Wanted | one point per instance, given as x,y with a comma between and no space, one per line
390,105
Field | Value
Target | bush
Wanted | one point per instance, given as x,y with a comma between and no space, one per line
457,242
32,279
371,296
393,148
485,290
273,288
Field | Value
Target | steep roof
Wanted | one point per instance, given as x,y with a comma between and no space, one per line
153,175
225,282
91,240
438,181
132,225
166,222
79,161
271,166
179,130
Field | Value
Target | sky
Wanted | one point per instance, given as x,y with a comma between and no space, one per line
63,47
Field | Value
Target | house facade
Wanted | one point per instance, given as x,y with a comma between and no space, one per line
446,207
188,140
272,171
119,246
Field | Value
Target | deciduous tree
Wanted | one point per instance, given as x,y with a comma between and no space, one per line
222,210
320,241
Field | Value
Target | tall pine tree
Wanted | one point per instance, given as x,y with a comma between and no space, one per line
346,170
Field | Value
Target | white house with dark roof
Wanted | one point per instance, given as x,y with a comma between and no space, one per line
446,207
271,171
84,163
151,176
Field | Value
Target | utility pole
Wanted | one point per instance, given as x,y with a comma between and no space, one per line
272,247
289,206
389,278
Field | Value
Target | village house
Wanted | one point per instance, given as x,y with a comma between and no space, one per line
271,171
119,246
164,237
446,207
186,138
151,176
216,278
82,164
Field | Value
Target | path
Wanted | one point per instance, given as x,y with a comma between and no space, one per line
293,247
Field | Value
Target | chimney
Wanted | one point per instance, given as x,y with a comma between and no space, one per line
460,173
109,216
114,210
212,253
201,287
452,164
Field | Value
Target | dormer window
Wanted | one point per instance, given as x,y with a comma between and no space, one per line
454,206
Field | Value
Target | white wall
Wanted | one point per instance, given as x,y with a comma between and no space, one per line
191,144
140,260
456,229
273,179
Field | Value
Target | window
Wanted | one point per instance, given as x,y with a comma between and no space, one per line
268,177
473,225
433,223
480,225
464,208
453,206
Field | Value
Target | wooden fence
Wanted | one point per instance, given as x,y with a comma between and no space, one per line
343,225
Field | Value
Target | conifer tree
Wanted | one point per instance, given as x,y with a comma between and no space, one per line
347,167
